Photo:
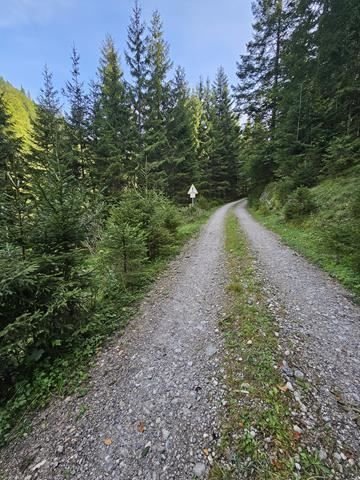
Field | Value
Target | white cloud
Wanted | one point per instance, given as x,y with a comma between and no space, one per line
24,12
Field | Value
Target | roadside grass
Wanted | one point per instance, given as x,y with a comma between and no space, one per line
258,439
68,374
308,240
330,236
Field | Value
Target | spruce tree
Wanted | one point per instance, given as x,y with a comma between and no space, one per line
14,209
113,124
204,136
157,103
58,228
8,144
224,162
259,70
77,120
48,125
181,163
136,59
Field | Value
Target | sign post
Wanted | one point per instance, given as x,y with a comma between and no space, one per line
192,192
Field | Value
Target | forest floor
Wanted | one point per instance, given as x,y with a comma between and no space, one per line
155,404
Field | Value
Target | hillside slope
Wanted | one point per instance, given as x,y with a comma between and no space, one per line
329,234
21,108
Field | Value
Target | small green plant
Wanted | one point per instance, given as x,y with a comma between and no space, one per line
299,204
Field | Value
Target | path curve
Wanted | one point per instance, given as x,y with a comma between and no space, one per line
154,396
320,329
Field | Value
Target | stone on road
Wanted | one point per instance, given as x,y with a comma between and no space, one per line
154,397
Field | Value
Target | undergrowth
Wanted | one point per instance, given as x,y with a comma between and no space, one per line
68,373
329,233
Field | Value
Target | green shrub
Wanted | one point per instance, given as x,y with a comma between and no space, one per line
341,232
141,227
122,251
156,215
342,153
299,204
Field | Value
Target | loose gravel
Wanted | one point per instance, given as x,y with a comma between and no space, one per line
320,343
151,411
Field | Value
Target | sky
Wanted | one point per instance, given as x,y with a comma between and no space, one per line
203,34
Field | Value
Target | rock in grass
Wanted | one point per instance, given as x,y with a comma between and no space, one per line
199,470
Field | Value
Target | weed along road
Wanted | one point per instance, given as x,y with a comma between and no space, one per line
155,406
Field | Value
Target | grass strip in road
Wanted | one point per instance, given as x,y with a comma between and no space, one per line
258,438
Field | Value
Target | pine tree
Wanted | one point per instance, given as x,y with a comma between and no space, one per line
157,103
181,164
48,124
297,122
259,71
253,148
224,162
113,124
338,40
136,59
8,144
77,120
204,136
57,229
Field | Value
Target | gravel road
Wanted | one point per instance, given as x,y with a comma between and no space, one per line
320,337
155,393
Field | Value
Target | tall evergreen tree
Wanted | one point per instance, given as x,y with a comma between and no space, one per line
8,144
77,119
48,124
259,71
136,59
204,136
157,103
13,189
58,210
113,122
224,162
181,163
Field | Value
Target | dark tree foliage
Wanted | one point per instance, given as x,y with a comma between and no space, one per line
299,81
77,120
156,145
13,188
180,165
113,129
48,125
204,136
136,59
224,161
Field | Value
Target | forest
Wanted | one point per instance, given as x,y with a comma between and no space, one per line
93,192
